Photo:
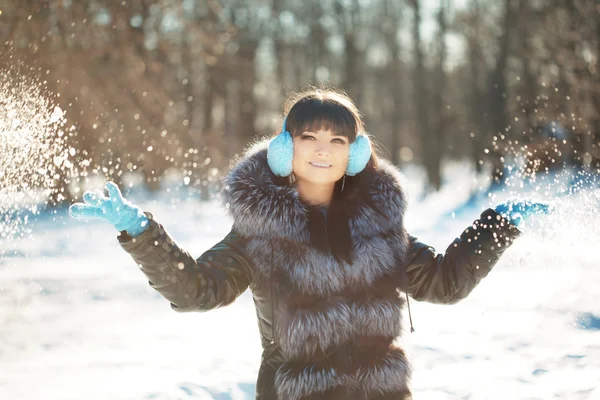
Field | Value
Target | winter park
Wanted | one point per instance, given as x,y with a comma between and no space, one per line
284,200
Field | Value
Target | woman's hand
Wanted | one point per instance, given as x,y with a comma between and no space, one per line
113,209
515,210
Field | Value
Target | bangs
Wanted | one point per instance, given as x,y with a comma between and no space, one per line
313,114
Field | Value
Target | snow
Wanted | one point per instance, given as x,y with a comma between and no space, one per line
79,321
33,149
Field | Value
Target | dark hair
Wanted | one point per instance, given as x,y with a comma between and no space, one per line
329,109
323,109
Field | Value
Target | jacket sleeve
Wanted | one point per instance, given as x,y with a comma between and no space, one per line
449,278
213,280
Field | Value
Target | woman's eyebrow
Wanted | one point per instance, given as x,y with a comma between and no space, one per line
333,134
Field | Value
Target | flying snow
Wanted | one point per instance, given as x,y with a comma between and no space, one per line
35,154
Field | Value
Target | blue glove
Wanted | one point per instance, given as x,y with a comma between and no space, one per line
114,209
515,211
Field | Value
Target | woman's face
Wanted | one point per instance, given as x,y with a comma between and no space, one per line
320,157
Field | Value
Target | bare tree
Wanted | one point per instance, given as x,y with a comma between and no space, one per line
421,94
392,85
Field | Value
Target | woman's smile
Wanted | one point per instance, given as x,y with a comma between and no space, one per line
320,165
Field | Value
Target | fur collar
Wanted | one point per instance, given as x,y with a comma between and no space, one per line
259,207
325,306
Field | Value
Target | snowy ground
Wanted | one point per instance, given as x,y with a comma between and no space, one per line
78,320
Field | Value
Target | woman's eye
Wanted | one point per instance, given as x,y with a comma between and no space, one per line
308,137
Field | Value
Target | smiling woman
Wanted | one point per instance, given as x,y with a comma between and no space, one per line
319,238
324,125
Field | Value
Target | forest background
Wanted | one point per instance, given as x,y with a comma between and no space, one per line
152,86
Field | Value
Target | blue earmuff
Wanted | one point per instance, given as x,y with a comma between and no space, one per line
281,153
360,154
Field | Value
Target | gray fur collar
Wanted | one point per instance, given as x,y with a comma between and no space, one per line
261,208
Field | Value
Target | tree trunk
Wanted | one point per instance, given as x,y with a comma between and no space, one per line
352,78
478,100
397,104
279,49
247,104
421,94
392,83
437,134
208,123
497,91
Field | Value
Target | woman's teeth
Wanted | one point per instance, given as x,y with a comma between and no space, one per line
320,165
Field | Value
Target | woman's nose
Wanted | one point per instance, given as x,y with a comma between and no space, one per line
323,149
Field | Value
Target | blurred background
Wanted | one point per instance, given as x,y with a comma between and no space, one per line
475,100
152,86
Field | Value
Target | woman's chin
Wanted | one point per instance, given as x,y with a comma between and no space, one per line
323,182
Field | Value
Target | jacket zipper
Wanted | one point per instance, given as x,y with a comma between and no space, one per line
272,307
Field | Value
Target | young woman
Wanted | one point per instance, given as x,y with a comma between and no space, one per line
319,238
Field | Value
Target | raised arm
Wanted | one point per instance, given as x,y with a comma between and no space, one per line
213,280
450,277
